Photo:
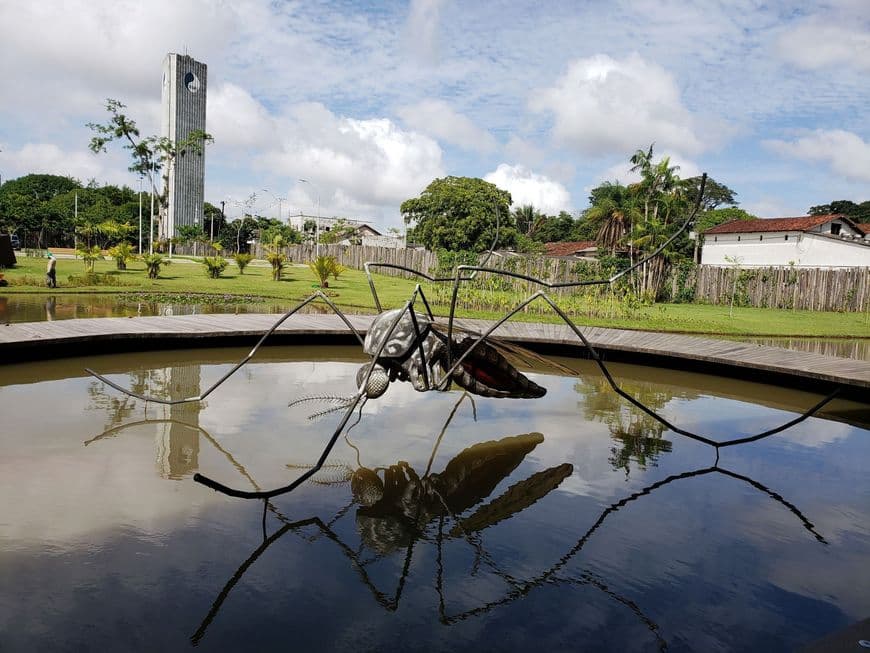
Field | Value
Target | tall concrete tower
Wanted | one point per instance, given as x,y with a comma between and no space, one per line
184,99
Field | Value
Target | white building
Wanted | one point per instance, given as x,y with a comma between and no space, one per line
822,241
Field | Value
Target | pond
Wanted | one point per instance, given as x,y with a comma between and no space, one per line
567,522
46,307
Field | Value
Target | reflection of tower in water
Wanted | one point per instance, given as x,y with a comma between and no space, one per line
177,443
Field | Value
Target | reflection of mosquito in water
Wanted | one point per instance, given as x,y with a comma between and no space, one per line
397,508
406,345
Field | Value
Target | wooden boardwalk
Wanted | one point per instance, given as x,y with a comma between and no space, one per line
40,340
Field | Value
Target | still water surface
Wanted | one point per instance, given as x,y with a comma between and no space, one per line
45,307
565,523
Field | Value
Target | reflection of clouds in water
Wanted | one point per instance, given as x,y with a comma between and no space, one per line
817,433
249,416
724,419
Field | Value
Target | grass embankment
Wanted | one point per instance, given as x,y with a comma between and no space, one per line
350,291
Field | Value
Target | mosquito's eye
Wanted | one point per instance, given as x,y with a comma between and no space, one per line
378,381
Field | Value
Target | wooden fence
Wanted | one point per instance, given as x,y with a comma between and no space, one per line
355,256
814,289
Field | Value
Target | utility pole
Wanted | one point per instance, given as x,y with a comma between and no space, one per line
140,216
75,222
223,219
151,228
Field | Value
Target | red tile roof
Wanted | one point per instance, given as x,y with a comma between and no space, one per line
765,225
863,227
569,249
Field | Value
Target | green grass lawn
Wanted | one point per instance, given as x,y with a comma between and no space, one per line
350,291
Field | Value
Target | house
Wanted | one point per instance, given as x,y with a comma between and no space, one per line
579,249
816,241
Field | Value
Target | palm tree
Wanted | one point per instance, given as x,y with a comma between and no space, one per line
528,219
661,194
613,213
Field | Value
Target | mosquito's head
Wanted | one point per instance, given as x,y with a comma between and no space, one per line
378,381
367,486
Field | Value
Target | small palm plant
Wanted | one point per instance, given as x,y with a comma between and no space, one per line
276,259
90,255
214,265
122,252
242,261
153,263
323,267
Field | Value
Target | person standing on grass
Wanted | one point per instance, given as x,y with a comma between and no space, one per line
51,271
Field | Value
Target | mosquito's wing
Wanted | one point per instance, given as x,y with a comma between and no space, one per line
492,369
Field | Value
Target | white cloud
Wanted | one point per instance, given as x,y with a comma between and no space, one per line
236,119
523,150
48,158
816,43
771,207
81,47
438,118
846,153
602,105
421,30
527,187
373,162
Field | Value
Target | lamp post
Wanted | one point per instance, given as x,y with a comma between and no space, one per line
247,206
196,238
317,222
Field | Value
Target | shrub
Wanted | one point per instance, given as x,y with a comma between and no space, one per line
89,255
323,267
97,279
214,265
122,252
153,263
242,261
277,260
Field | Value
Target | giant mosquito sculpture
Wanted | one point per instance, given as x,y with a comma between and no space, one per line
405,345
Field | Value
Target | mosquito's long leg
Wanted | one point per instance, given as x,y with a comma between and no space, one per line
235,368
610,380
419,340
550,573
360,396
267,494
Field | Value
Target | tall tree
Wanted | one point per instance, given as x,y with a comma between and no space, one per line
558,228
857,212
715,194
662,203
150,155
459,213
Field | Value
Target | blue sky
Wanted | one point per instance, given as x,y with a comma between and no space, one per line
544,99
